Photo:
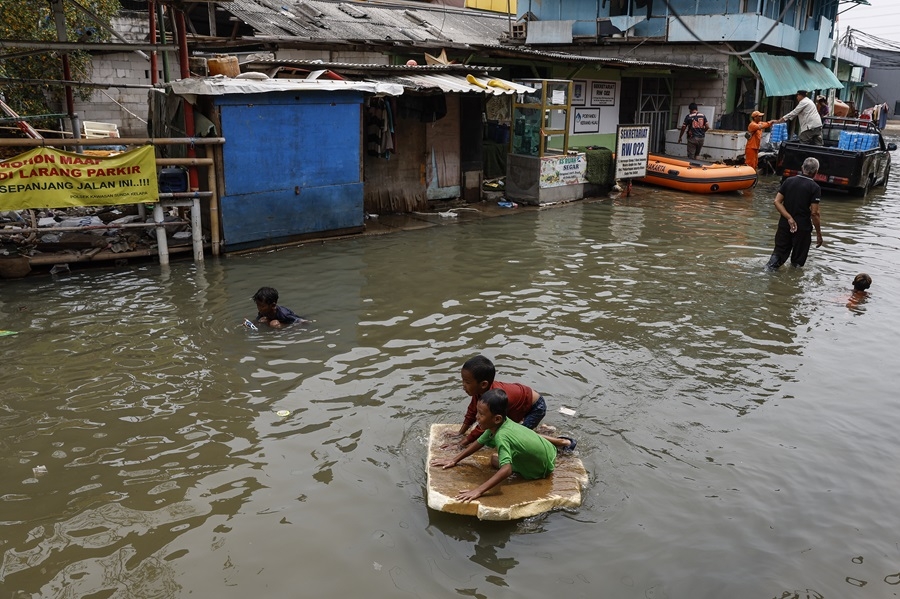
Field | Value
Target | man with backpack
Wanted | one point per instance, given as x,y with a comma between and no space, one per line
697,126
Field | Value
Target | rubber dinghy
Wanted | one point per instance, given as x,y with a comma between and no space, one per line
697,176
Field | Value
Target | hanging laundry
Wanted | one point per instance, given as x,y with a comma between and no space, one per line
379,128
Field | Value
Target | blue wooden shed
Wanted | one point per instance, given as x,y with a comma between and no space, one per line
291,164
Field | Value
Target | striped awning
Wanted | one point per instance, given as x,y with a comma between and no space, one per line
785,75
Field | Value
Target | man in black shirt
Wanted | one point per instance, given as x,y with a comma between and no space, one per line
797,201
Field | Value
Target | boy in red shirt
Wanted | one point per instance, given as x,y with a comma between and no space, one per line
525,405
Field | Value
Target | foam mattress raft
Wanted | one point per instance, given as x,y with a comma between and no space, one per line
697,176
513,499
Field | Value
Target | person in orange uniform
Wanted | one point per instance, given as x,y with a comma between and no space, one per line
755,129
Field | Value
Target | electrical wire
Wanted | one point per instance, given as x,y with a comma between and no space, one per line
862,41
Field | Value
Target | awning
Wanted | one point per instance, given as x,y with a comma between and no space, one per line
785,75
221,85
390,86
460,84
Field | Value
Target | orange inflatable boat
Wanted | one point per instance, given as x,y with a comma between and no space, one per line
696,176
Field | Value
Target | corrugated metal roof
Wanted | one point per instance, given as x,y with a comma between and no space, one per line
406,24
382,85
452,78
221,85
263,63
342,22
611,61
784,75
460,84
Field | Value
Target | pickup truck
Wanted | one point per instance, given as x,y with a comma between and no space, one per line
852,171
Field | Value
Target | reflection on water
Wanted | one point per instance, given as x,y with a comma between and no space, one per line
736,423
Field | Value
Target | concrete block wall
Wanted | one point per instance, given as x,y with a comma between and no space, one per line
133,26
126,107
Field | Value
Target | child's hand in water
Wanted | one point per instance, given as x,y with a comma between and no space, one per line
451,439
444,463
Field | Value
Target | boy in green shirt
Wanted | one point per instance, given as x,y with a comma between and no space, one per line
519,449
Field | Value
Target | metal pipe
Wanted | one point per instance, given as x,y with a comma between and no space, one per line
162,33
162,245
154,67
118,141
43,46
47,259
196,231
183,161
185,194
16,231
189,129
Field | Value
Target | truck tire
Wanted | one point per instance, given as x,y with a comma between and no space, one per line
864,190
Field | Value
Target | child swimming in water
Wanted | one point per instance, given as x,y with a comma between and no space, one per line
861,284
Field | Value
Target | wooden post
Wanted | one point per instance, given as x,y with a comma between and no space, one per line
214,233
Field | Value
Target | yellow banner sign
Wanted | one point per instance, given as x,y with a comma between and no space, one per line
48,178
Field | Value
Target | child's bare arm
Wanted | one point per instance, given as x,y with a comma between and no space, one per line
459,457
452,438
501,475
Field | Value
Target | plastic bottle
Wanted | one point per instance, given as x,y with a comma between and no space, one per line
250,325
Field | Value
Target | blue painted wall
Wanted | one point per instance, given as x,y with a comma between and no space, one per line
715,17
291,166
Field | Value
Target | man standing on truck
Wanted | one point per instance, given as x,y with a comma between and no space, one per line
797,201
697,126
808,116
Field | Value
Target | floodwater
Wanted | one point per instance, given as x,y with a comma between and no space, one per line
738,425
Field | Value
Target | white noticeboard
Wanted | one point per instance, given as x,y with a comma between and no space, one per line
632,151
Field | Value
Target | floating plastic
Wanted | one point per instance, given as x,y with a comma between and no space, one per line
283,413
567,411
39,470
250,325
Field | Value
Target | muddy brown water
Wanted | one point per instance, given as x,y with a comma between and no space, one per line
739,426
